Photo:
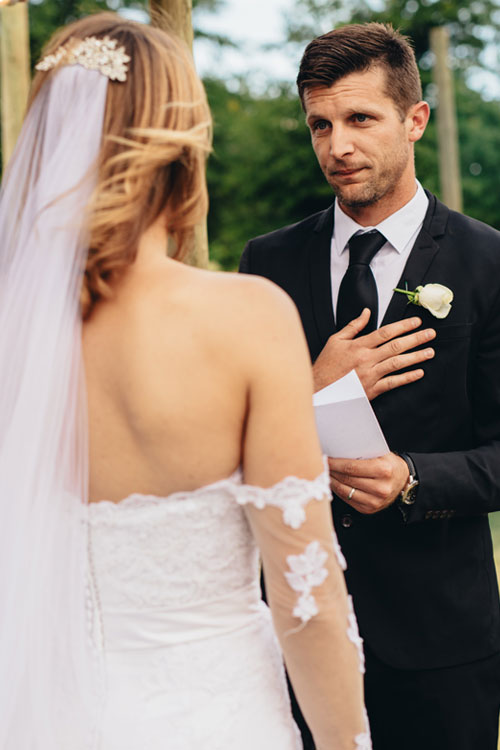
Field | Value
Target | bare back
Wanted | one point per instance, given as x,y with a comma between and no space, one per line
167,397
191,373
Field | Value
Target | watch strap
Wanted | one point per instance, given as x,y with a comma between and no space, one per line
407,495
411,466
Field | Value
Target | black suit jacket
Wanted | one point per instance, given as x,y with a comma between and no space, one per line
424,588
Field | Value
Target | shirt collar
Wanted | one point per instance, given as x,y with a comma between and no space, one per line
398,228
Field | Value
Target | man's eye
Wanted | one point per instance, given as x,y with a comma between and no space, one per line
360,117
321,125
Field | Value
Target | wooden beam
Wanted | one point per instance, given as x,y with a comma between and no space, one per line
15,73
178,13
448,150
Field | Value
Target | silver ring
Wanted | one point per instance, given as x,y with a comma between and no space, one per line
351,493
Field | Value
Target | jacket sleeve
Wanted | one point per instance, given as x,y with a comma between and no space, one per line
245,265
463,483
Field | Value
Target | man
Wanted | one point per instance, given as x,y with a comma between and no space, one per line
413,527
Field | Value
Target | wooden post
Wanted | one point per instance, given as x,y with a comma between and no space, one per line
15,73
449,167
177,13
179,17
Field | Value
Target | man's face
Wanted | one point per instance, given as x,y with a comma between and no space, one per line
362,145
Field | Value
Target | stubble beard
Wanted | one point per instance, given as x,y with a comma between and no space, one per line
374,189
370,195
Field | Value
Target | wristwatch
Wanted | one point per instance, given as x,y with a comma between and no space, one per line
408,494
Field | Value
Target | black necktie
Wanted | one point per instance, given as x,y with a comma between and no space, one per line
358,288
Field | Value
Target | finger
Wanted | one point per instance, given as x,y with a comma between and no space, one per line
391,331
390,382
400,361
379,488
359,500
351,330
402,344
376,468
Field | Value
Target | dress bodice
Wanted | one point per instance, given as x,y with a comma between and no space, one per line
189,648
187,563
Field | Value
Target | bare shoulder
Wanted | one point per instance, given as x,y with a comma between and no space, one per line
251,306
245,315
256,299
233,300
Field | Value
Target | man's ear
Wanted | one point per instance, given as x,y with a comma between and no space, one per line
416,120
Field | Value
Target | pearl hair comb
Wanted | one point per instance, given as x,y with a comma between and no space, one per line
91,53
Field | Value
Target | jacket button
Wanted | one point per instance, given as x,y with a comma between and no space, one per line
346,521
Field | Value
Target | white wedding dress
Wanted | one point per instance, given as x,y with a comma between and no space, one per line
192,661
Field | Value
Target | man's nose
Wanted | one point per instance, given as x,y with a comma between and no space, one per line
341,143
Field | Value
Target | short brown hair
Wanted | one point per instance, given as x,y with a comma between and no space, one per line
356,48
156,136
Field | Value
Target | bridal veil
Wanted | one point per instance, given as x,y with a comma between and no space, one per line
50,683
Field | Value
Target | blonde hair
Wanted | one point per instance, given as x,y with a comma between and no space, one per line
156,137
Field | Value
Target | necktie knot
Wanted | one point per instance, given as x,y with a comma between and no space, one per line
363,247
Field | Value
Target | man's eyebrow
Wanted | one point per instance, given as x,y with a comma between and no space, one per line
360,107
315,116
364,108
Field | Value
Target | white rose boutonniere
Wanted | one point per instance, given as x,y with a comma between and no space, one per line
434,297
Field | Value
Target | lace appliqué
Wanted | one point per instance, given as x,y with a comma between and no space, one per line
354,636
291,495
338,552
363,741
306,571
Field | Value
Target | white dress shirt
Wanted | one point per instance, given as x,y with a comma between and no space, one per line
400,229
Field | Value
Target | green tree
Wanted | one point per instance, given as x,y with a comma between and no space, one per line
479,137
473,26
48,15
263,173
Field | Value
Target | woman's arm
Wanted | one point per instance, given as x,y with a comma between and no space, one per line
292,523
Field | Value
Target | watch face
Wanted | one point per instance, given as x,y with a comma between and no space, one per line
409,493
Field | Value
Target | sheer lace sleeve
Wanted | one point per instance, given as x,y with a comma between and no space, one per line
312,613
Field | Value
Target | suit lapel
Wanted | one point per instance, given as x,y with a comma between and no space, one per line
318,251
419,261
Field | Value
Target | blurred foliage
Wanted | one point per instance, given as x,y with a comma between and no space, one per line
263,173
471,25
48,15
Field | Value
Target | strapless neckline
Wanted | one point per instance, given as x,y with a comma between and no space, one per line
236,478
289,490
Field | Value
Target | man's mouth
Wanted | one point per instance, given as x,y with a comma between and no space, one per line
346,172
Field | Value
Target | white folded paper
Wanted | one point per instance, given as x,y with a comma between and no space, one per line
346,422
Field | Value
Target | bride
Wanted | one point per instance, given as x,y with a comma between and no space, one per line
138,490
